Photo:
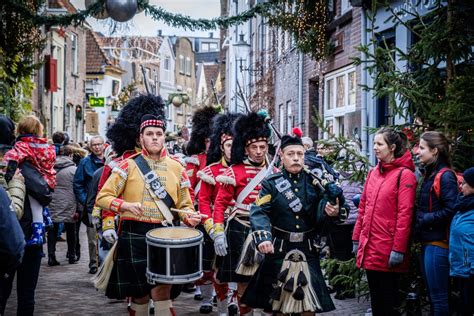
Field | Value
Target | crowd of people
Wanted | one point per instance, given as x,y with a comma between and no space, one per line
263,206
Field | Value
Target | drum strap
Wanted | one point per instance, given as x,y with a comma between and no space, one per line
157,191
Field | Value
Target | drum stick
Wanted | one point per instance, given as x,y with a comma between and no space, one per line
188,212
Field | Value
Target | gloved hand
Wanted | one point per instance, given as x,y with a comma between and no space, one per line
110,236
220,244
355,247
395,259
96,221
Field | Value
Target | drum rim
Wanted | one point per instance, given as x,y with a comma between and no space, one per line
197,238
177,279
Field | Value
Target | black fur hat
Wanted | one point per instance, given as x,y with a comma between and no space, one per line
124,132
249,128
202,120
221,124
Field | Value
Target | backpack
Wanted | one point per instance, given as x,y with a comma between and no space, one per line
436,187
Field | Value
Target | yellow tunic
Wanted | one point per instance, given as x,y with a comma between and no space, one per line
127,182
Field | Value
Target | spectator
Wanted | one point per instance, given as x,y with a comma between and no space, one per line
82,182
382,229
461,243
30,147
28,271
433,217
63,206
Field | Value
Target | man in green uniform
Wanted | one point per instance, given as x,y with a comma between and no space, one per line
285,220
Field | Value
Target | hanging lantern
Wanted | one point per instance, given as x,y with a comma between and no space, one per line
177,100
102,14
121,10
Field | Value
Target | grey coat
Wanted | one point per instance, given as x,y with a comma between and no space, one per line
63,205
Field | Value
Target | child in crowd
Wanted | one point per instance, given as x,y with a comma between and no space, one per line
31,147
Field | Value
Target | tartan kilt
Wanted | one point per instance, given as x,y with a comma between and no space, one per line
236,235
260,287
128,278
208,253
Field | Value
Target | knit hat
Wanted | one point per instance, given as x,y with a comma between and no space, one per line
468,176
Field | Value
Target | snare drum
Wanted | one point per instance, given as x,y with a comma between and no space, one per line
174,255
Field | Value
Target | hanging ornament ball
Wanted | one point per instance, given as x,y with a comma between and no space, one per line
185,98
177,100
121,10
101,14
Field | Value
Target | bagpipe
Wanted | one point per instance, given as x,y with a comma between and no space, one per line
328,187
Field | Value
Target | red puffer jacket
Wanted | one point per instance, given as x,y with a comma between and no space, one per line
385,215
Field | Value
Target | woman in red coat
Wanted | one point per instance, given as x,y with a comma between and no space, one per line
382,230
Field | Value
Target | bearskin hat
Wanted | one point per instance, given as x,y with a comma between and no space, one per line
249,128
124,132
221,124
202,120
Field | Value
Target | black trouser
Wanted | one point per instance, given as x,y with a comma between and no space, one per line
71,237
77,227
384,296
466,288
26,280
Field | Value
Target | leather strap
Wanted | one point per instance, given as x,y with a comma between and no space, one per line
161,198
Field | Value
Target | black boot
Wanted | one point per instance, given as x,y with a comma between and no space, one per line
52,261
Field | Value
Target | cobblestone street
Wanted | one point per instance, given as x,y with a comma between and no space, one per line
67,290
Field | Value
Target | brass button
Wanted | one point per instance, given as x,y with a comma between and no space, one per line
297,226
297,217
295,181
296,190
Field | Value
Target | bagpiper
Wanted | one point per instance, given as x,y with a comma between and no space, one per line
141,210
196,150
240,183
286,219
218,160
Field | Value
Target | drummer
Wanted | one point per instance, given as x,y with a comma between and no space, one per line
141,211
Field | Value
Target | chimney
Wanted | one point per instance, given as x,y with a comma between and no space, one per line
160,32
211,34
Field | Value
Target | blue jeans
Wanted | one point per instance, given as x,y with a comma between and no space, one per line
435,270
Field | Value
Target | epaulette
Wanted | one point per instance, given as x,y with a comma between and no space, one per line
274,175
206,175
133,156
227,178
181,160
121,169
192,160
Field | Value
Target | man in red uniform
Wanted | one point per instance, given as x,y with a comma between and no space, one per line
218,160
241,182
196,150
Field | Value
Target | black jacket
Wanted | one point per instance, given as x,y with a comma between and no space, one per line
91,195
432,225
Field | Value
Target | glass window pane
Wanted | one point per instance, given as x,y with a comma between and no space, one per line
352,88
330,95
340,91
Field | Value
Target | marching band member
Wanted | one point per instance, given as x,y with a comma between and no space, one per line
218,160
197,151
140,211
240,183
285,220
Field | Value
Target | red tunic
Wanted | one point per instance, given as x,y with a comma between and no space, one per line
234,180
209,189
194,164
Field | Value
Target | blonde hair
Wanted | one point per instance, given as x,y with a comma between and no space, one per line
30,124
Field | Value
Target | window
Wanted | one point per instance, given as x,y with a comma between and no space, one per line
166,69
340,91
209,47
282,118
182,64
74,53
289,114
345,6
330,94
352,88
187,67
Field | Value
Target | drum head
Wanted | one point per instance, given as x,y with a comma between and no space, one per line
178,233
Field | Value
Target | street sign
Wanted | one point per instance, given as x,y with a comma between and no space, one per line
97,101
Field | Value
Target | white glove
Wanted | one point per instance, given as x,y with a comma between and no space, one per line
96,221
220,244
110,236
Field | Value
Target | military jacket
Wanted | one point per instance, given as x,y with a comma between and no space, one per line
272,208
209,189
193,165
